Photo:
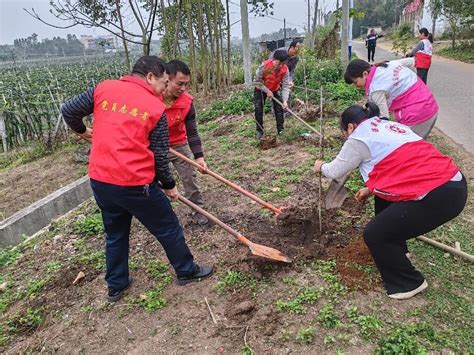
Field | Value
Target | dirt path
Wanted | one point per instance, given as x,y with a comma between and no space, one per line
452,83
22,185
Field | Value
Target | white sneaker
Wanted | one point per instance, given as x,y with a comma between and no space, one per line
409,294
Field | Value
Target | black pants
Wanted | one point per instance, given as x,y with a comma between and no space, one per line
370,53
259,98
423,74
153,209
396,222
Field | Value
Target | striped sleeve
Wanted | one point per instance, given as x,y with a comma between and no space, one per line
159,145
75,109
194,140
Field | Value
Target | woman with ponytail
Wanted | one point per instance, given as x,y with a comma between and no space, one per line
416,189
395,88
423,53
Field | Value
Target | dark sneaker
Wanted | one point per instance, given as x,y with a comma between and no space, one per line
259,135
200,219
115,295
201,273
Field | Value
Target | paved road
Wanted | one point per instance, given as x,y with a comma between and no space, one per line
452,83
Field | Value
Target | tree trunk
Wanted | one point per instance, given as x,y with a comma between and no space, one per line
217,36
315,22
192,55
165,24
433,25
244,15
229,58
124,41
212,57
203,49
176,29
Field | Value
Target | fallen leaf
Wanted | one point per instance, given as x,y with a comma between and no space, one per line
79,277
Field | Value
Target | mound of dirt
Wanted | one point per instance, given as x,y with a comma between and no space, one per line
352,260
267,142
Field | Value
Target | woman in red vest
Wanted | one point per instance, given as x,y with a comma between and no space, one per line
129,155
416,189
273,76
423,53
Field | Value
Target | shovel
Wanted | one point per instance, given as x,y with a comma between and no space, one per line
236,187
298,117
336,193
256,249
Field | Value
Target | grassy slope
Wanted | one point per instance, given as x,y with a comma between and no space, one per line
319,312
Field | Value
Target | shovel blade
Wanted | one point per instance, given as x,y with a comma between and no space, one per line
335,195
267,252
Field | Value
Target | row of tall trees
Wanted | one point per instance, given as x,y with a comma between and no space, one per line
196,30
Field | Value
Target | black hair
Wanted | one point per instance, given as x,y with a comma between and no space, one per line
281,55
150,64
175,66
356,114
424,31
356,69
295,42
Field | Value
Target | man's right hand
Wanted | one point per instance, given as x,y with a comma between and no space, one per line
269,94
172,193
87,135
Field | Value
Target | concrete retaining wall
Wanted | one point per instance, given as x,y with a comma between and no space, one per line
33,218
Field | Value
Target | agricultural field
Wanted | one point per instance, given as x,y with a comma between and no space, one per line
328,300
32,92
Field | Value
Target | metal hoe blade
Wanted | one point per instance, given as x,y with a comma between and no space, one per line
336,194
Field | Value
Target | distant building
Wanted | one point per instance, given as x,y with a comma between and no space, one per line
270,46
109,43
417,14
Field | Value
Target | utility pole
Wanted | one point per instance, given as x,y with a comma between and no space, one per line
284,32
351,21
344,33
244,15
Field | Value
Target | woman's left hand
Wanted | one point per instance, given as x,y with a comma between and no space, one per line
317,165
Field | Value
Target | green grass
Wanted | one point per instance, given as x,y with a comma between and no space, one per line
90,225
463,52
306,296
305,335
233,281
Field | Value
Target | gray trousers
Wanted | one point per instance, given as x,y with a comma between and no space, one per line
187,174
424,128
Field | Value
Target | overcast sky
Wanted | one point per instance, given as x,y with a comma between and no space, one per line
16,23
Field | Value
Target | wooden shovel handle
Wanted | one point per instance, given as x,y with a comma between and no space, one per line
298,117
236,187
214,219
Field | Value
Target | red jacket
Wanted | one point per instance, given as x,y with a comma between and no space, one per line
176,115
271,79
125,112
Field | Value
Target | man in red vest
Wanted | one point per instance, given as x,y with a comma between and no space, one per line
183,133
273,76
129,155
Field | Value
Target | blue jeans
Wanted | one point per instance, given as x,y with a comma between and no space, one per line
153,209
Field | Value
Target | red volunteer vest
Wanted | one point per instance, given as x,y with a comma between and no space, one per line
423,57
402,166
125,112
271,79
176,115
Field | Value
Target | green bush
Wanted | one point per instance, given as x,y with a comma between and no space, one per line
239,102
344,94
464,52
402,37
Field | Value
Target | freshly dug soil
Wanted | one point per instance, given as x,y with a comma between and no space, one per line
351,260
267,142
